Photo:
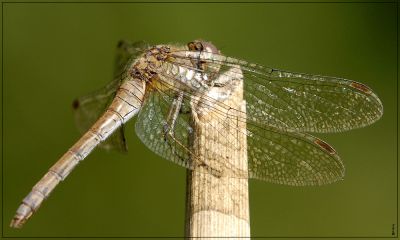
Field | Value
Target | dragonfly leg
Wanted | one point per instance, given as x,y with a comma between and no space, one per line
173,115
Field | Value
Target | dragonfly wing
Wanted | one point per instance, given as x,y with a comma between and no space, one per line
300,102
273,155
126,53
291,158
310,103
152,122
178,147
89,108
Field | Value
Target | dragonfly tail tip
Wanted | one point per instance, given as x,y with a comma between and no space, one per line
24,212
17,222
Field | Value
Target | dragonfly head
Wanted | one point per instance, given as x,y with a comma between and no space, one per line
203,46
207,49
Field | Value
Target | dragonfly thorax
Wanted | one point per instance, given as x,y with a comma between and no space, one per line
145,68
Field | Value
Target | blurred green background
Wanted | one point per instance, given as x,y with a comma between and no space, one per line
56,52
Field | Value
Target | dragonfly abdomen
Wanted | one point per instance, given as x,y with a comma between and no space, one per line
125,105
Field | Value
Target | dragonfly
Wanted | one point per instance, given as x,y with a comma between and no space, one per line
169,86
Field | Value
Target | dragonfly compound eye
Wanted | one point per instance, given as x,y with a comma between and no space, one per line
191,46
200,45
195,46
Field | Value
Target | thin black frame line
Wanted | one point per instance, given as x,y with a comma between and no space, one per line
397,119
197,2
314,237
2,122
2,117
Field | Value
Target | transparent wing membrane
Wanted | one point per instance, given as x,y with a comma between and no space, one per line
273,155
89,108
300,102
151,129
291,158
309,103
127,52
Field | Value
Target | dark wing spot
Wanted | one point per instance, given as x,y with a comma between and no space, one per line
325,146
120,43
75,104
361,87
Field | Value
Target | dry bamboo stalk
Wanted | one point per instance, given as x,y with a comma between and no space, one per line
218,206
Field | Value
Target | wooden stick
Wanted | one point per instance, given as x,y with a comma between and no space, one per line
217,203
